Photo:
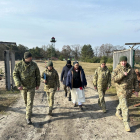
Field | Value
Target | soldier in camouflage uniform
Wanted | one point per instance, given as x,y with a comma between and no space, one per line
102,82
51,84
26,76
125,80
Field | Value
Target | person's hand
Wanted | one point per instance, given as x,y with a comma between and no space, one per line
45,81
136,93
95,87
58,88
20,88
107,88
125,73
37,87
85,85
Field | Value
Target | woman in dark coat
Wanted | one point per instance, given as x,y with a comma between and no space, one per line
76,80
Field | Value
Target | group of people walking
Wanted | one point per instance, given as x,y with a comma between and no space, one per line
27,77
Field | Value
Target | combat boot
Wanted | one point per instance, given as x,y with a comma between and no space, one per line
66,94
104,110
81,108
69,98
127,127
50,113
28,121
99,103
118,114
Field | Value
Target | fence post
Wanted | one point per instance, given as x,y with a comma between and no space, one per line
7,70
12,66
131,57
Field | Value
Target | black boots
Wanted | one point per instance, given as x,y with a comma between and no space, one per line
75,105
66,94
50,112
69,98
29,121
80,107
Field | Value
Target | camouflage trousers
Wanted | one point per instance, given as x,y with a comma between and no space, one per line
28,96
101,100
123,107
67,90
50,97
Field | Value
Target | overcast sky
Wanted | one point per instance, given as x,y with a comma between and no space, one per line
33,22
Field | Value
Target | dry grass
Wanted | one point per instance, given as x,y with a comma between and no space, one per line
7,98
89,68
134,111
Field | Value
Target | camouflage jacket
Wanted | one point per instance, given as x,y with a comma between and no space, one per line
52,79
102,78
125,84
25,75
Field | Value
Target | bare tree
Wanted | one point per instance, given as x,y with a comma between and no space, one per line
102,50
66,51
96,50
107,49
44,51
76,49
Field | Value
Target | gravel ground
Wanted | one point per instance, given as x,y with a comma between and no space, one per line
67,122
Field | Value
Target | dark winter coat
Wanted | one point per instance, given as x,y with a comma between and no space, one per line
64,73
69,80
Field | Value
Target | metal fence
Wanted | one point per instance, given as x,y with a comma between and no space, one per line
130,57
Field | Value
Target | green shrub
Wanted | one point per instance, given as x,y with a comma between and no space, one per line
61,58
96,60
110,60
104,58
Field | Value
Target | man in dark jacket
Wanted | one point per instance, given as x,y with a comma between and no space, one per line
64,77
76,80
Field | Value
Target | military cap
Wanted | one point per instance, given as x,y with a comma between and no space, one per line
102,61
27,55
123,58
50,63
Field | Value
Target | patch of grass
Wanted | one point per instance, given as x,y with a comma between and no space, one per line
134,111
13,91
7,98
